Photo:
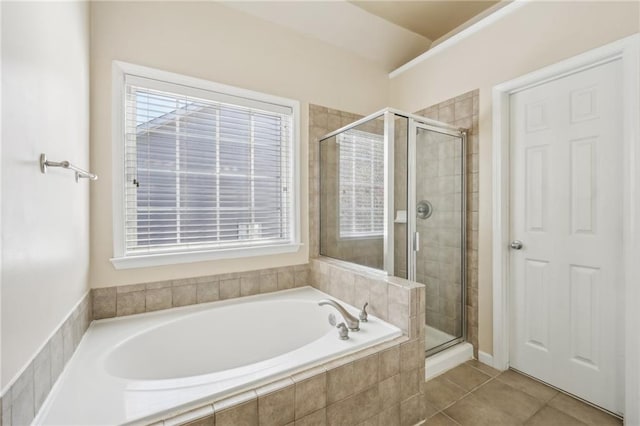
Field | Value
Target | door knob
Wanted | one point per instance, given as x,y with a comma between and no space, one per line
516,244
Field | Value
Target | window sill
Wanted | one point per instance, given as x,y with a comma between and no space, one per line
160,259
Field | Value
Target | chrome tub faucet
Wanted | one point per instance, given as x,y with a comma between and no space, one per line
352,322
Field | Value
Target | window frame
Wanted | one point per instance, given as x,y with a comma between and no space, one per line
372,235
218,92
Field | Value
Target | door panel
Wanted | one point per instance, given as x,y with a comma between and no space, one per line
536,309
566,208
585,315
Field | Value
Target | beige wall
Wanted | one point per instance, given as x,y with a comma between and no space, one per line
45,219
535,35
214,42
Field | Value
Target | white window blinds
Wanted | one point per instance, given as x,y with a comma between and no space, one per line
361,184
204,170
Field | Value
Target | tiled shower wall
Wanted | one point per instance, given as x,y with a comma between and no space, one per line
322,120
363,251
401,147
439,261
461,111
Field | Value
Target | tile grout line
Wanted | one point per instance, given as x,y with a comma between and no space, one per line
536,412
545,404
508,385
560,391
459,387
442,411
449,417
476,368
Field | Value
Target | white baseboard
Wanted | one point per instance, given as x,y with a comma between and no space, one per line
447,359
485,358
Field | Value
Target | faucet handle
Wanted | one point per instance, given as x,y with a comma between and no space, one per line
332,320
343,331
363,313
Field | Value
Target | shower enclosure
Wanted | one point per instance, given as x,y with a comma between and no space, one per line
392,197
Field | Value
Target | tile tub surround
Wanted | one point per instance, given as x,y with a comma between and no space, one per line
461,111
322,120
395,300
380,385
399,302
363,251
23,399
119,301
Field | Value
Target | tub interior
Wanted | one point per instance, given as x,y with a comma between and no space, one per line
199,343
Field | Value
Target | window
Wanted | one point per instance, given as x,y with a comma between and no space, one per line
361,184
206,169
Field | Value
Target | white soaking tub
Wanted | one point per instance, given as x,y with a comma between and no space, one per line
142,367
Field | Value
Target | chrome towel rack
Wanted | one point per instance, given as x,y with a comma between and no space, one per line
80,173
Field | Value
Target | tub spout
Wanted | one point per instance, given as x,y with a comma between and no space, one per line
352,322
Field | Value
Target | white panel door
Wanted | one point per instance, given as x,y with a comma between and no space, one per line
566,209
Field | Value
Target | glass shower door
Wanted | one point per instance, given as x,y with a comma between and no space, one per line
437,227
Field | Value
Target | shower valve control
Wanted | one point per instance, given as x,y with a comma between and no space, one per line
424,209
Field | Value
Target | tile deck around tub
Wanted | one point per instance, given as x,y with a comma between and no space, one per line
474,394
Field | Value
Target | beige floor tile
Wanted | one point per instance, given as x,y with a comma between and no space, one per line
429,409
534,388
440,420
471,411
582,411
483,367
549,416
509,400
468,378
440,392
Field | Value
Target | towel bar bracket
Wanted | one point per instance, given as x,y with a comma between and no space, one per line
79,173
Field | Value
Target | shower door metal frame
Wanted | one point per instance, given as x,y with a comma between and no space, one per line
389,115
389,199
413,238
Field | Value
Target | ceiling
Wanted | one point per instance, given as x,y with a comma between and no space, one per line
389,33
431,19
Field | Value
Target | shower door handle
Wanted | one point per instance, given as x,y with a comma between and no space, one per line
416,241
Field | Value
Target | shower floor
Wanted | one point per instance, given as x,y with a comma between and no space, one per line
435,337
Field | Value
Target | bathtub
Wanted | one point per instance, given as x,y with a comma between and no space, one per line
140,368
